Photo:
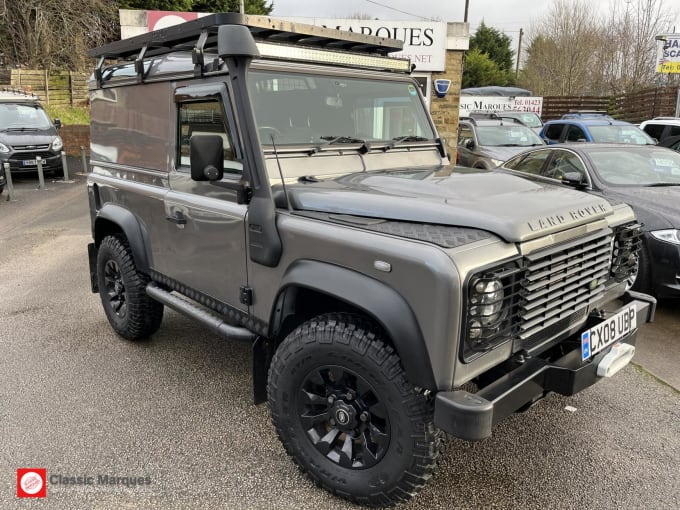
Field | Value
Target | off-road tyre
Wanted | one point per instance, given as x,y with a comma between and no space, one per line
131,313
335,364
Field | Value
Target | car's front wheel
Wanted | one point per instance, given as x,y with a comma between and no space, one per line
641,278
347,414
122,288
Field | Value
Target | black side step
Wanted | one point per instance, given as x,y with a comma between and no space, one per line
203,316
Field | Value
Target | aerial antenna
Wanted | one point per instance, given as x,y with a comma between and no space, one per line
278,164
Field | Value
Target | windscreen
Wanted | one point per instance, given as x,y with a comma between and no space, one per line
637,166
507,136
299,108
22,116
620,134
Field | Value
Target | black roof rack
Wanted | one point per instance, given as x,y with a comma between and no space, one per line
201,34
474,116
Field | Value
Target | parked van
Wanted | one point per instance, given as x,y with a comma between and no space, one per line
26,132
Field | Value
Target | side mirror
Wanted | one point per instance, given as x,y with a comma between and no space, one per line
207,158
57,123
573,178
469,143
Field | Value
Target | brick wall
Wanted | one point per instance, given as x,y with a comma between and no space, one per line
445,110
74,138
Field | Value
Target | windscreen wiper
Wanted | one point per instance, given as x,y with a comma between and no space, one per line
21,129
661,184
331,140
405,139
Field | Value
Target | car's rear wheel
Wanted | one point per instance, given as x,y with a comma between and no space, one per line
122,288
347,414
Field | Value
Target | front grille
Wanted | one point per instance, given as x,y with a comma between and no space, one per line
41,147
563,280
551,290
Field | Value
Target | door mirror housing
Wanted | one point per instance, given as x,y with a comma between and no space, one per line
207,158
573,179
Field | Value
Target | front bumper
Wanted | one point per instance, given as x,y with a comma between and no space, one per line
471,416
50,162
665,267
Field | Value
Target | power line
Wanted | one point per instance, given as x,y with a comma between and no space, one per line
394,9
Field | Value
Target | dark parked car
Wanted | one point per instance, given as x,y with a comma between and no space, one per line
486,142
645,177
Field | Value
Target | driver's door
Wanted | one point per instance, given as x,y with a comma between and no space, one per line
204,247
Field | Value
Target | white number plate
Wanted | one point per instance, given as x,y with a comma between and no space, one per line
29,162
608,331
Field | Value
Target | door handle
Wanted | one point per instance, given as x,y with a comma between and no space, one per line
177,219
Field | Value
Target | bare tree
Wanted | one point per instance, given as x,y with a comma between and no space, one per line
55,33
630,44
573,51
561,48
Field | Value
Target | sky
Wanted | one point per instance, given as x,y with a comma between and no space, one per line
508,16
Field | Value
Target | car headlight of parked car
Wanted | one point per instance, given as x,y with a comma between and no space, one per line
670,235
3,148
57,144
496,162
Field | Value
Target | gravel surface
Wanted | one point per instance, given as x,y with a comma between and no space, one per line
176,410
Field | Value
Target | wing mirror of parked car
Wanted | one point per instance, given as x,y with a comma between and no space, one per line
57,123
207,158
573,179
469,143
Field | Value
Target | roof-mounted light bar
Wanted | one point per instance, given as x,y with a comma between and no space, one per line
305,54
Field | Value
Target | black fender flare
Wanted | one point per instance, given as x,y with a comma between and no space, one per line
379,301
134,231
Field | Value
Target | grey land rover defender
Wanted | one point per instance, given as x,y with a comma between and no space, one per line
284,184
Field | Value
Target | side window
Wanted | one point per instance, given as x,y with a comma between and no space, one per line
654,130
463,133
674,131
205,117
531,163
563,163
553,132
575,134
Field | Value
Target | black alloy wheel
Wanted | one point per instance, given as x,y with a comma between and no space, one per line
348,415
343,417
122,288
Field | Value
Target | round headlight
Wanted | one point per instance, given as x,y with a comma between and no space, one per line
475,330
57,144
487,292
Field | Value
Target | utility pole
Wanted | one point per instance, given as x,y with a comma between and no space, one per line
467,5
243,9
519,51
